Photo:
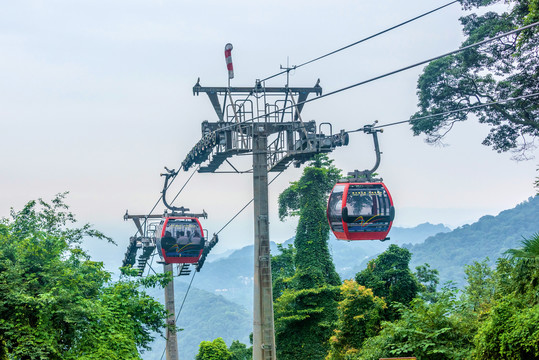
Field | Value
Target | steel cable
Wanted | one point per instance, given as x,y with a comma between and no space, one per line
451,112
360,41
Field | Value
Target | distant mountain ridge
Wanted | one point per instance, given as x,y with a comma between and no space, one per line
489,237
231,276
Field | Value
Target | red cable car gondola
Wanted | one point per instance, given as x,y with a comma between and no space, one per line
360,211
179,237
361,208
180,240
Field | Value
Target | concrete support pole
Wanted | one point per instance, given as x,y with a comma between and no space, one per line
263,328
172,341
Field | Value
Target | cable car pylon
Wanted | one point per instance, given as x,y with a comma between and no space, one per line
265,122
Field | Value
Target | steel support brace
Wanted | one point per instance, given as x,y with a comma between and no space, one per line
263,328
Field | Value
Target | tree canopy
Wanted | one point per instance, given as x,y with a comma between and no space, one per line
496,71
213,350
359,317
390,278
510,330
56,303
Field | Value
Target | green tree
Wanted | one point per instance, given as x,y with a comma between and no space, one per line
55,303
240,351
427,281
479,293
359,317
213,350
526,271
511,328
390,278
495,71
307,198
306,310
437,331
510,331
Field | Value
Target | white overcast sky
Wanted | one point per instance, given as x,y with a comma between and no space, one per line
96,98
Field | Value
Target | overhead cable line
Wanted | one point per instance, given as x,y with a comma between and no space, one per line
391,73
184,185
452,111
243,208
175,197
360,41
352,44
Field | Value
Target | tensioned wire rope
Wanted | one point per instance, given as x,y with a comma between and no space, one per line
360,41
353,44
379,77
473,107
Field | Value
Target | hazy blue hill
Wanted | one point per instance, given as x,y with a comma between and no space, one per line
418,234
352,256
232,276
204,316
489,237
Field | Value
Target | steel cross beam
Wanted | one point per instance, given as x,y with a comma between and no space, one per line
214,91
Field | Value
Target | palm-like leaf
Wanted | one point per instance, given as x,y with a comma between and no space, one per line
529,251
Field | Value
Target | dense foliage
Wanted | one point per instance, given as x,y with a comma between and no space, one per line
306,309
499,70
390,278
213,350
511,330
240,351
55,303
439,330
496,317
359,317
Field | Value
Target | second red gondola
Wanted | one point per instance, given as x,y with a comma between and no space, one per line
360,211
180,240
